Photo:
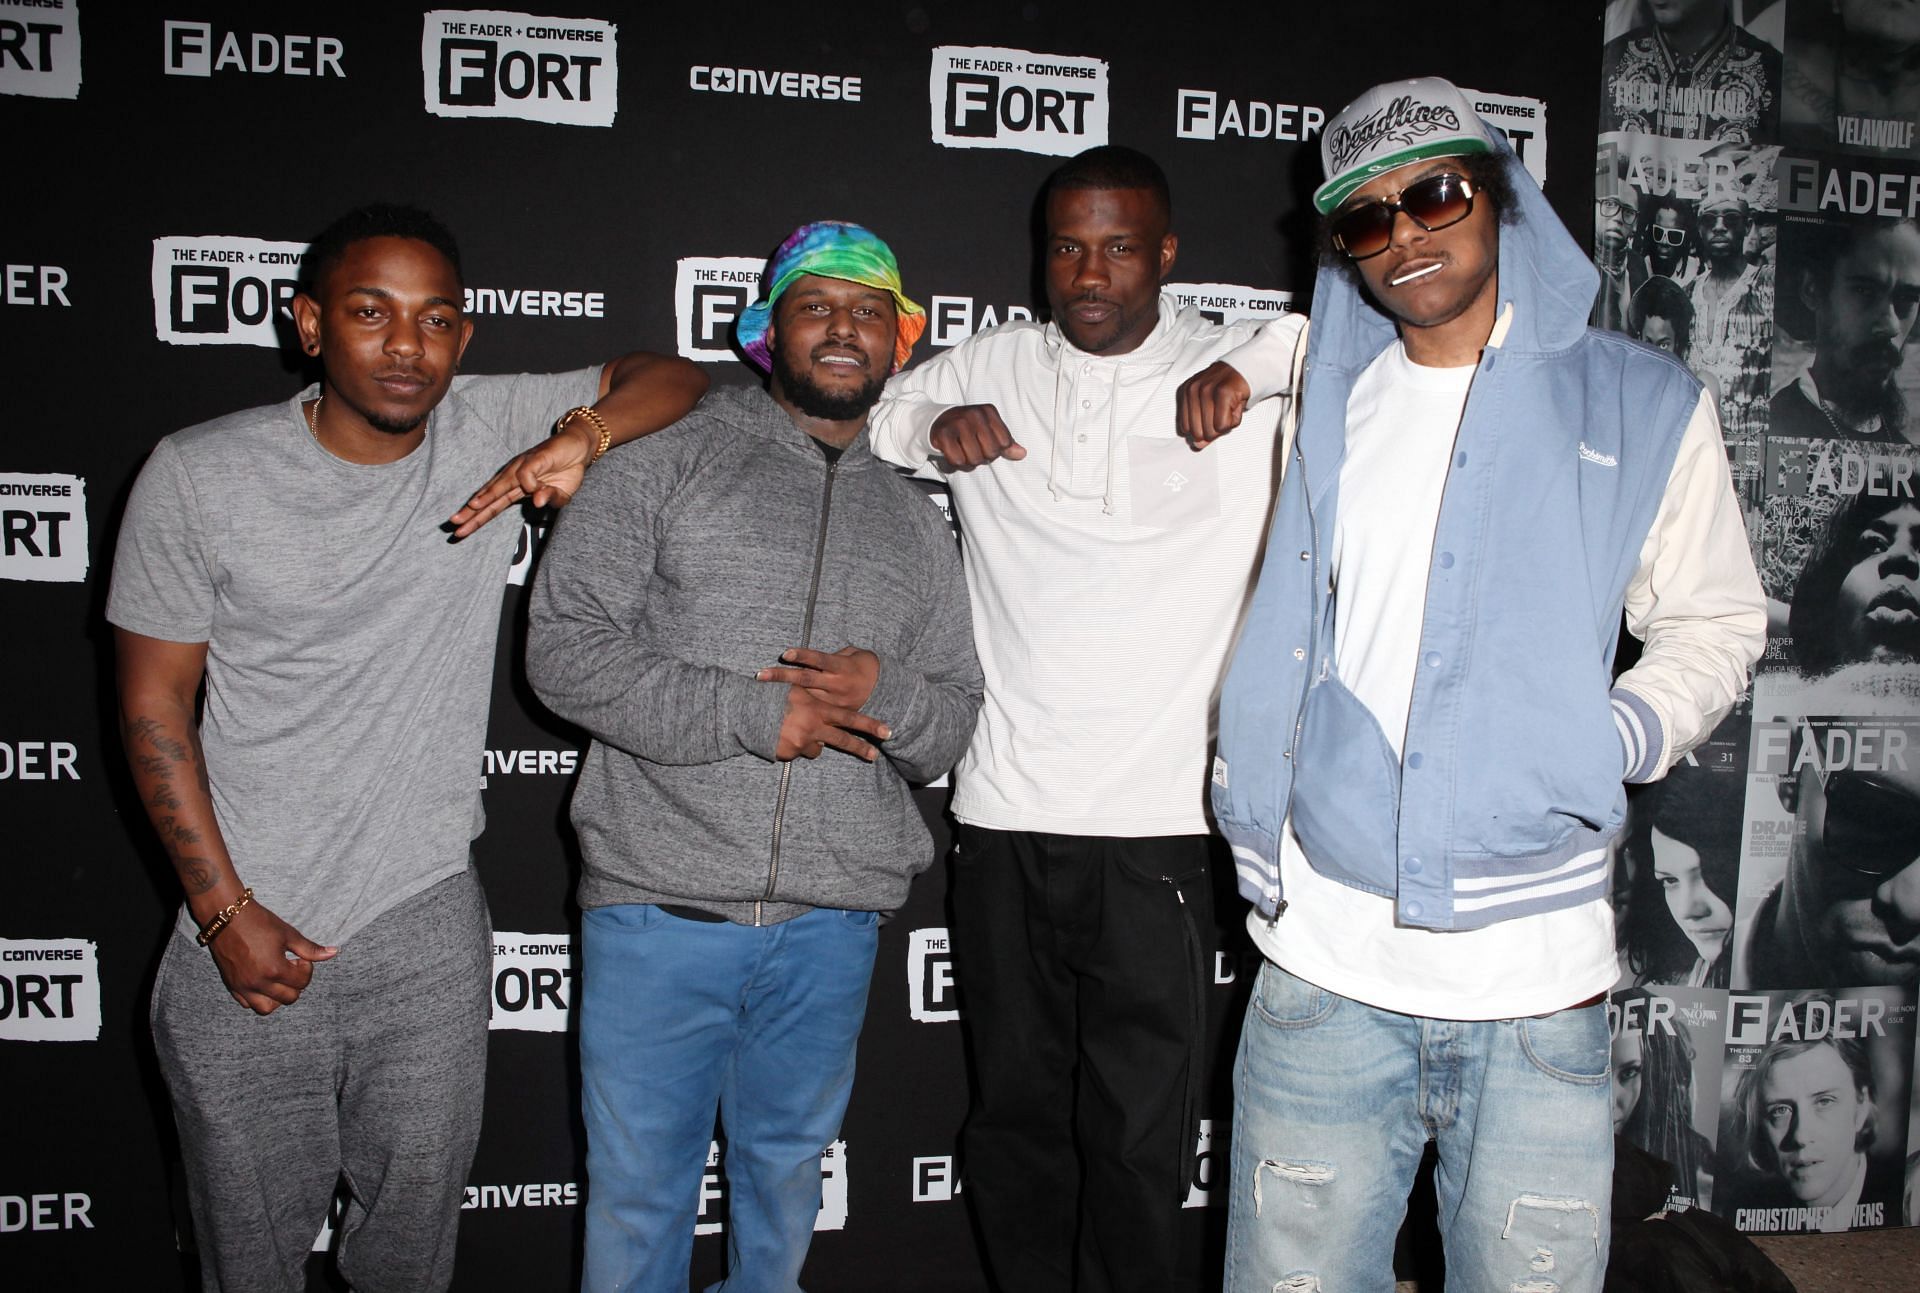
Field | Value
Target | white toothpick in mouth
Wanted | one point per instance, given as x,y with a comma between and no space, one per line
1418,273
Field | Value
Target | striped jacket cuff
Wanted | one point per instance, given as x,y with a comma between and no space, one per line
1643,741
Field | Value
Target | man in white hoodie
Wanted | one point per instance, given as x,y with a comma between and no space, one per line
1108,561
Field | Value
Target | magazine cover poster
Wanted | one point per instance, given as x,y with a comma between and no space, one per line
1852,76
1839,554
1693,69
1814,1110
1832,860
1667,1052
1847,300
1677,867
1684,235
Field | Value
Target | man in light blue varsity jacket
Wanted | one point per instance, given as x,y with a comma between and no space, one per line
1422,746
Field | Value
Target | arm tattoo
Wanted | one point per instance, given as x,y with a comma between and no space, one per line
197,875
155,735
163,758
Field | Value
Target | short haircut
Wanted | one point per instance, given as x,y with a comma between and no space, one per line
1492,179
1819,636
376,220
1112,166
1752,1112
1662,298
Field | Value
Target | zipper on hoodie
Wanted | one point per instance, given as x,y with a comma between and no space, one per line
806,640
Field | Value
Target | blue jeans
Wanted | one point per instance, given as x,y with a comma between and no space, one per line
1334,1102
679,1018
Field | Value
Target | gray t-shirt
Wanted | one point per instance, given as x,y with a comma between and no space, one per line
349,643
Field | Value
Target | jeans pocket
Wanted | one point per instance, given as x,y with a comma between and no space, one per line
1571,1045
624,917
861,919
1288,1002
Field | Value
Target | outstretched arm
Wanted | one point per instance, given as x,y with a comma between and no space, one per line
926,420
1214,400
640,393
264,961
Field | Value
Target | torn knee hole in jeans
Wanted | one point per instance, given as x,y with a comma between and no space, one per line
1306,1173
1542,1218
1299,1282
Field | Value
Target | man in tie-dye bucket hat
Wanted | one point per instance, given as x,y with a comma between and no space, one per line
766,631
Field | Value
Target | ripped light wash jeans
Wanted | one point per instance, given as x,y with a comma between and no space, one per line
1334,1102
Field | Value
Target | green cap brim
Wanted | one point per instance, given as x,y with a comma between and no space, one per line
1337,190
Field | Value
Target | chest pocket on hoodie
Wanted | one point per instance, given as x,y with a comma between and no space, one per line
1169,485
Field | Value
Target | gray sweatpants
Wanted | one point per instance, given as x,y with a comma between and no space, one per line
376,1074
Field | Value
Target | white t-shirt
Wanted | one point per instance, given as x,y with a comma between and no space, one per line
1401,422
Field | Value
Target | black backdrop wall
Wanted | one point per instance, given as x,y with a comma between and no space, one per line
610,170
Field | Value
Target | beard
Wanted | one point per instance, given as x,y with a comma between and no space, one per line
1861,389
811,400
392,426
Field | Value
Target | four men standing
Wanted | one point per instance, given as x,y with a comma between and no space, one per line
766,632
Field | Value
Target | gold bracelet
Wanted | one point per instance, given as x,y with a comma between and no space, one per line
226,914
599,423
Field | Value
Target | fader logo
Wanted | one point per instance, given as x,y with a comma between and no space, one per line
49,990
709,292
492,63
43,528
532,982
222,291
40,48
1011,98
1230,302
932,995
833,1191
952,319
201,49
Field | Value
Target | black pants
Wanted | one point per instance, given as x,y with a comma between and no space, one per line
1081,966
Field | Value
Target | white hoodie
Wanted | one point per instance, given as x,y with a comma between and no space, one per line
1108,568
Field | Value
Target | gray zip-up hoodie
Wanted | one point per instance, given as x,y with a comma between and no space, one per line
688,561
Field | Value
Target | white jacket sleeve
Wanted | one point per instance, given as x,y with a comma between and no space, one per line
1697,604
1266,359
900,427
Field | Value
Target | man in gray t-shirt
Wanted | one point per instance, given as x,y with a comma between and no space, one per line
296,559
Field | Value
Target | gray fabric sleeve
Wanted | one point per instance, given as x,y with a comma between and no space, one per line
587,654
524,406
930,697
162,571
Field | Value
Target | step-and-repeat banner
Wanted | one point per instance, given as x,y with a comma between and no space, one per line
1756,189
617,174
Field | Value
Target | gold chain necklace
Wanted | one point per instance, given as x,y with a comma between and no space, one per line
313,418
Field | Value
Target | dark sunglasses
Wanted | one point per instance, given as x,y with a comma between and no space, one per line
1871,827
1667,237
1432,203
